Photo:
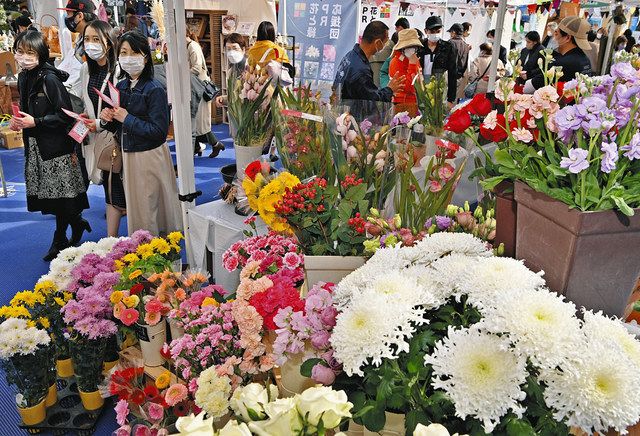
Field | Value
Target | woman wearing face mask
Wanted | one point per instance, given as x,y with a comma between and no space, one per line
235,47
142,123
201,124
479,71
100,68
405,63
52,173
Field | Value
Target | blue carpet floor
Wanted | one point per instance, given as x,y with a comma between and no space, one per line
25,237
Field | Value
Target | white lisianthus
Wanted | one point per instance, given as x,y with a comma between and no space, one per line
481,374
283,419
598,327
432,430
539,323
233,428
494,276
598,392
371,329
252,397
323,403
195,425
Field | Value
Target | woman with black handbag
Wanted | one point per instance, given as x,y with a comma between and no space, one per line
201,125
101,69
53,177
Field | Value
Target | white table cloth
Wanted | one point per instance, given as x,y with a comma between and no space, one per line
214,227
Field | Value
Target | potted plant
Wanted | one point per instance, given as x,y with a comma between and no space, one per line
25,356
250,115
576,169
88,357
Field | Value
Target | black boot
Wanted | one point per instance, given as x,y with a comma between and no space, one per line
59,243
78,227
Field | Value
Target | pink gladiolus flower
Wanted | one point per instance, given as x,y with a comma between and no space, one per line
435,186
175,394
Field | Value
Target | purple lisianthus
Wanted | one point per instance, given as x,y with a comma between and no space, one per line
443,222
633,148
622,112
400,119
609,157
428,223
576,162
623,71
365,126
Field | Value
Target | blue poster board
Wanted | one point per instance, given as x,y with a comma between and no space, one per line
324,30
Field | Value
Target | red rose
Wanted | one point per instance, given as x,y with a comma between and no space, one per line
458,122
136,289
253,169
480,105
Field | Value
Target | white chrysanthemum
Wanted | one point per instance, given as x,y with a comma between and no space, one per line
400,286
481,375
497,275
435,293
370,329
70,255
539,323
106,244
598,392
213,393
441,244
598,327
353,283
17,338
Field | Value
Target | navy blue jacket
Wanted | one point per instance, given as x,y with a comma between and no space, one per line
147,123
356,78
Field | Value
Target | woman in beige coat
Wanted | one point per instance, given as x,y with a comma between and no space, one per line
480,67
201,125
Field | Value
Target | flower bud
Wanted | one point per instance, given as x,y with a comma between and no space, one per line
374,212
397,221
501,249
466,206
432,229
478,212
451,210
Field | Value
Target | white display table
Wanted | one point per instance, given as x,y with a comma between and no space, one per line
213,228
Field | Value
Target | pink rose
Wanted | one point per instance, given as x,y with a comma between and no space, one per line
156,411
320,339
322,374
125,430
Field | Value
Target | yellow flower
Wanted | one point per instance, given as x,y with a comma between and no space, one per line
131,258
59,301
116,297
46,287
135,274
163,380
252,189
145,251
44,322
27,298
175,237
175,248
119,265
31,323
131,301
67,296
209,302
160,245
18,312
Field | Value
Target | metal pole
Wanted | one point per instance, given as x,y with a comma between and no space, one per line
178,87
283,11
613,29
497,42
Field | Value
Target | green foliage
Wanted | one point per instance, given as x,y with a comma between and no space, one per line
88,357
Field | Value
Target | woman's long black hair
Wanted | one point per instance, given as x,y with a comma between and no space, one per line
139,44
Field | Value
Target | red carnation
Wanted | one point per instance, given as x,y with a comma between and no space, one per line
136,289
137,397
253,169
480,105
458,122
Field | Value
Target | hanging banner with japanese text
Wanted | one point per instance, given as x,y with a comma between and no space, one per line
325,31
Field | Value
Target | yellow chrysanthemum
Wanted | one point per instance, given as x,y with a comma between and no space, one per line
31,323
116,297
15,312
27,298
252,189
175,237
163,380
46,287
145,251
160,245
131,258
209,302
67,296
135,274
119,265
175,248
44,322
59,301
131,301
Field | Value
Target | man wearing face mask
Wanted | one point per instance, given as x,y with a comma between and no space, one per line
236,49
491,36
354,78
439,57
571,36
549,41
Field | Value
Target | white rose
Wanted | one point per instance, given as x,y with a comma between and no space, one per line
195,425
252,397
324,403
234,429
283,419
431,430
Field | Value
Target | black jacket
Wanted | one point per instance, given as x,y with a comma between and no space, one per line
147,123
355,79
572,63
462,55
529,61
503,54
52,125
444,62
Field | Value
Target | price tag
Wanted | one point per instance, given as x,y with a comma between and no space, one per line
303,115
79,131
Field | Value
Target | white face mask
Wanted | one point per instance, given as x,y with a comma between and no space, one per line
235,56
599,36
27,62
409,52
94,51
490,40
133,65
433,37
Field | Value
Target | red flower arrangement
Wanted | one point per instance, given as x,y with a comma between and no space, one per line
282,294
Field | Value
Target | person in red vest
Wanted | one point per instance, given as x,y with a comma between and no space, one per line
405,63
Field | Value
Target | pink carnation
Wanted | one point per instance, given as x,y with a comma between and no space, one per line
292,260
122,411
